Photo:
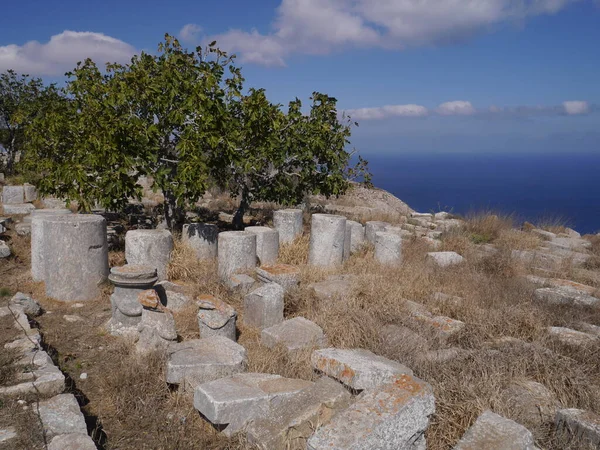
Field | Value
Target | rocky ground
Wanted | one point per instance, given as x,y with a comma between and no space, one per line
511,327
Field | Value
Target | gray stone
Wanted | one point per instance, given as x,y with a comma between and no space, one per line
327,235
263,307
494,432
267,244
347,241
449,224
151,248
562,296
444,355
23,229
578,424
72,441
285,275
216,318
240,283
26,303
236,400
294,334
76,256
203,238
443,326
1,177
531,403
394,416
399,337
567,243
546,235
237,253
7,434
538,259
357,368
567,285
447,299
589,328
442,215
174,296
388,248
18,209
445,259
61,415
336,286
373,227
13,195
29,193
291,420
4,249
571,337
288,222
198,361
357,235
161,322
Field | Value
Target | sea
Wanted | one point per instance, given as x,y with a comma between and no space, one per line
535,187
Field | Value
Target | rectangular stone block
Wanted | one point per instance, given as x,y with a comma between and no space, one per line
578,424
285,275
357,368
294,334
494,432
393,416
263,307
18,209
13,195
61,415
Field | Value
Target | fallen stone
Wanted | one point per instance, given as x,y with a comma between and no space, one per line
72,318
445,259
399,337
72,441
174,296
589,328
566,285
373,227
21,209
393,416
285,275
578,424
357,368
444,355
447,299
335,286
44,377
494,432
236,400
563,296
216,318
61,415
531,403
7,434
443,326
240,283
26,303
292,420
571,337
294,334
4,250
263,307
198,361
449,224
23,229
546,235
13,195
29,193
388,248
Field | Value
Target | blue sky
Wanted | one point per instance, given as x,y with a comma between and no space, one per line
419,75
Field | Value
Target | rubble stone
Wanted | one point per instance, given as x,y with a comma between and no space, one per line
157,330
4,250
572,337
237,252
578,424
174,296
26,303
29,193
267,244
294,334
327,236
531,403
216,318
388,248
373,227
335,286
72,441
18,209
203,238
288,222
445,259
240,283
151,248
61,415
13,195
285,275
357,368
562,296
263,307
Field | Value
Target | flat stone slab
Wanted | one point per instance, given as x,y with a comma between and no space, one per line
397,336
198,361
562,296
578,424
18,209
291,420
572,337
337,286
393,416
357,368
236,400
294,334
61,415
531,403
72,441
444,259
12,195
442,325
174,296
285,275
26,303
567,285
494,432
6,434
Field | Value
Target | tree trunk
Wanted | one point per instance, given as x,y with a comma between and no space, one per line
238,217
174,215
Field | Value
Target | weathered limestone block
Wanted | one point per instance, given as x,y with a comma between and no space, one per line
571,337
546,235
589,328
388,248
150,248
157,330
216,318
263,307
449,224
447,299
285,275
23,228
9,433
174,296
357,235
4,250
288,222
37,239
445,259
373,227
399,337
494,432
130,280
76,256
563,296
578,424
18,209
357,368
444,355
240,283
291,420
327,235
29,193
234,401
25,303
72,441
531,403
441,325
237,252
198,361
61,415
335,286
567,285
41,375
294,334
203,238
538,258
13,195
393,416
267,244
347,241
569,243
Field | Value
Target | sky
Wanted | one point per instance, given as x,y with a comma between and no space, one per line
418,75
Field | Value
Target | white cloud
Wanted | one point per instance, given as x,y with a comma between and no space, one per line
324,26
62,52
189,33
575,107
456,108
383,112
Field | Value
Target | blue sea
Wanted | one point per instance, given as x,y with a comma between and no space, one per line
532,186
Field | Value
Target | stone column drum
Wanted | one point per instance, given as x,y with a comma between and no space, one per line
267,244
327,235
357,235
237,252
149,247
289,224
388,248
37,239
202,237
75,256
373,227
129,280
